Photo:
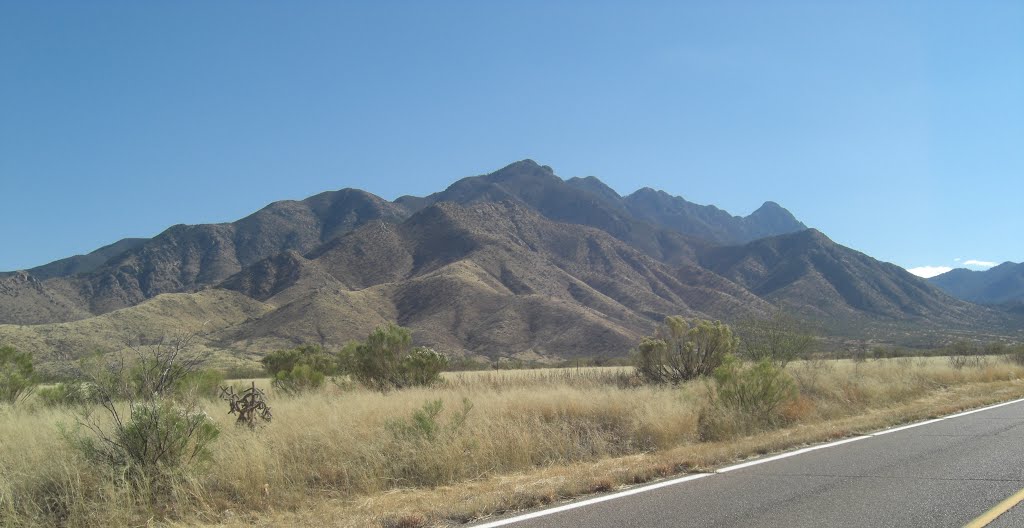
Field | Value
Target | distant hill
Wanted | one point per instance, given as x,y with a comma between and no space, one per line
1001,284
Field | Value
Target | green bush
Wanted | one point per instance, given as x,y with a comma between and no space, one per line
159,438
746,398
387,360
301,378
679,352
65,394
423,366
301,368
18,378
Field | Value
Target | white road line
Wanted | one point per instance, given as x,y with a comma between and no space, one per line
595,500
905,427
695,476
965,413
789,454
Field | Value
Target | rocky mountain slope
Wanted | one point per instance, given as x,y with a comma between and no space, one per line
189,257
491,278
810,273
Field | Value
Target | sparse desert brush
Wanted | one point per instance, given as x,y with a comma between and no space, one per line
554,429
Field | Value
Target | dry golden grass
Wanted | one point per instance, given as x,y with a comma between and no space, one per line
342,457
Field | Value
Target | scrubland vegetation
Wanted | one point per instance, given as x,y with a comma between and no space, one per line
394,443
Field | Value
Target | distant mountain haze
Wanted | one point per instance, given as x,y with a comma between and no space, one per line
518,262
999,285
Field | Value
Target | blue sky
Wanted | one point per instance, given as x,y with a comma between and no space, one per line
897,128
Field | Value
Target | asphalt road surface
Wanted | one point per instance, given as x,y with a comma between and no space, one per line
944,473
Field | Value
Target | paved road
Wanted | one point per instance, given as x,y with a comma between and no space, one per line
944,473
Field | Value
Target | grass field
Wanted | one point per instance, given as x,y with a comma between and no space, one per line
502,440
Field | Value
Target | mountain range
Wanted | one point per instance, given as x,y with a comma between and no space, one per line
516,263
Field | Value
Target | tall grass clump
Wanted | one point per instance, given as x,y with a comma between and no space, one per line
745,398
18,378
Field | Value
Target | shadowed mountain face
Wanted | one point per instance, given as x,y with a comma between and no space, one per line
514,263
999,285
809,272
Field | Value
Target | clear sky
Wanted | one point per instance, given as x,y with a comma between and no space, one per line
897,128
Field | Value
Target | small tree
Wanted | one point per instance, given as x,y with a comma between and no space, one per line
679,352
779,338
387,360
18,378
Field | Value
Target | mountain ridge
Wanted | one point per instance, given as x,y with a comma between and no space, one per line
517,262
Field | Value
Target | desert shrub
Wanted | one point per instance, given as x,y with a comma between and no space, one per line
425,423
237,372
746,398
313,355
153,431
301,378
69,393
961,362
158,438
467,364
203,383
423,366
779,337
1015,354
18,378
420,445
963,348
387,360
808,374
679,352
301,368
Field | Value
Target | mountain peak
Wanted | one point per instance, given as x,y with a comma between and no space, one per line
769,206
772,218
648,192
